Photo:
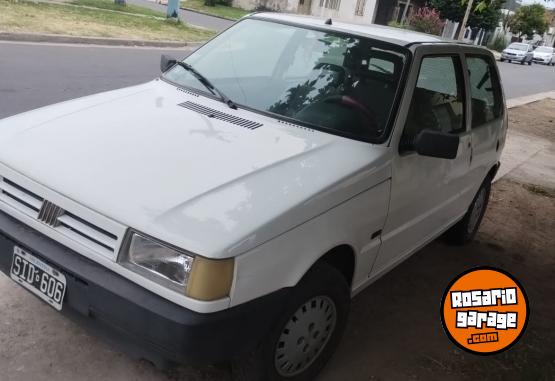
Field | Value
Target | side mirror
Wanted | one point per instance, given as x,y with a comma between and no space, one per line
437,144
166,62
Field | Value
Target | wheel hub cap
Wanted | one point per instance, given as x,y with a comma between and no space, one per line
305,335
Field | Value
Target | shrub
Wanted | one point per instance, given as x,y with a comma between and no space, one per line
499,43
396,24
426,20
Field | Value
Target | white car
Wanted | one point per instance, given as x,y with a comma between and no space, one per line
230,209
544,55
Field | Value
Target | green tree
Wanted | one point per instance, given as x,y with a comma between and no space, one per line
528,20
485,14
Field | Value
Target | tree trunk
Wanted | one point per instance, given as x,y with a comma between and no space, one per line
465,19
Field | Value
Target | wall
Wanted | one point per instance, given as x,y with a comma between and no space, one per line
275,5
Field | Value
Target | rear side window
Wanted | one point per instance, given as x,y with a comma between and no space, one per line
485,90
438,99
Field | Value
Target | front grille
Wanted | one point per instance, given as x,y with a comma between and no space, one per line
70,225
49,213
20,198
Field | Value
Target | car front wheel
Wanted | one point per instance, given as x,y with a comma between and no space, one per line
465,230
306,334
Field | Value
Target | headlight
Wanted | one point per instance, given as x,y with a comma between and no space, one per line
197,277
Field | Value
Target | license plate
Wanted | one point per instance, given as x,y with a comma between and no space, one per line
38,277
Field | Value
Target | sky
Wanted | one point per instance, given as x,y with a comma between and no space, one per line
548,4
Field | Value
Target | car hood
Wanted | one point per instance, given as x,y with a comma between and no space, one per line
542,54
203,184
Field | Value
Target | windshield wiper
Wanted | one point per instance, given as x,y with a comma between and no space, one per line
202,79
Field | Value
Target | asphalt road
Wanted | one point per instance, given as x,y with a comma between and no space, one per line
36,75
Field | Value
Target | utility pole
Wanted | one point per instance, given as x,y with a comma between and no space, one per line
173,9
465,19
404,17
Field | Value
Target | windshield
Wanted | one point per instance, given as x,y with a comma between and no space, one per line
333,82
544,49
518,47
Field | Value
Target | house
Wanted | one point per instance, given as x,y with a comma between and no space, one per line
397,11
358,11
361,11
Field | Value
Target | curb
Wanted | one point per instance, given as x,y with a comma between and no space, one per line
521,101
66,39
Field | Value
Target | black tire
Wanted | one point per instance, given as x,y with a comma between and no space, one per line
322,281
509,61
529,63
465,230
522,62
501,59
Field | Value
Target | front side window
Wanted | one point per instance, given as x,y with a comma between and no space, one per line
334,82
438,100
485,90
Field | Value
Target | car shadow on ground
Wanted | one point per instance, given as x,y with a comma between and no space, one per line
395,330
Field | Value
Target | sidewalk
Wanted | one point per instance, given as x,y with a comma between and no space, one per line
529,157
192,18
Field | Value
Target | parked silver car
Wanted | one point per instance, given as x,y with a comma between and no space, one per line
519,52
545,55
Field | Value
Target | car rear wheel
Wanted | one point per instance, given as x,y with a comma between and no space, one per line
306,334
501,59
465,230
529,63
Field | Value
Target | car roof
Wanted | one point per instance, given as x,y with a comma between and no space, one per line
397,36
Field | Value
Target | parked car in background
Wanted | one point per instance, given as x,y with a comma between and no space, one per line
518,52
545,55
230,209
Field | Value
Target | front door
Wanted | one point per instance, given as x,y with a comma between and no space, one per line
304,7
426,191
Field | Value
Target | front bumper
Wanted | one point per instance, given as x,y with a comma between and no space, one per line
513,58
137,321
542,60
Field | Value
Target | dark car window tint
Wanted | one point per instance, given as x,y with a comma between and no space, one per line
485,90
438,100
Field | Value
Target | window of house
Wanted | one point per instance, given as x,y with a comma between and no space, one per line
330,4
359,9
485,90
438,99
